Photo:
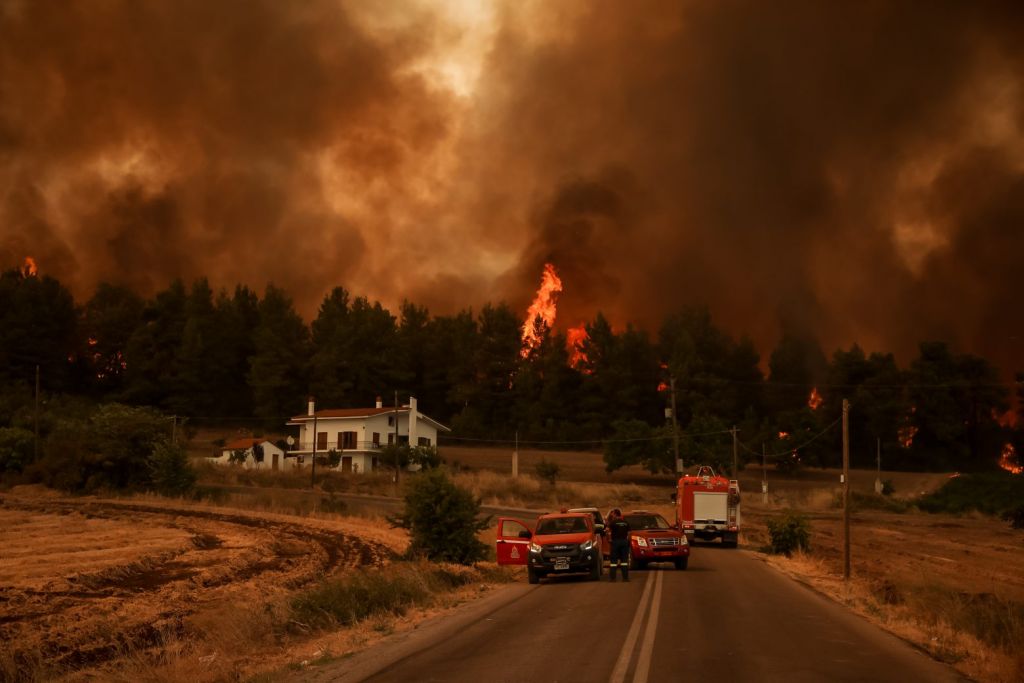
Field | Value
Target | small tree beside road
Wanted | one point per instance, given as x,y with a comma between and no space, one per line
442,519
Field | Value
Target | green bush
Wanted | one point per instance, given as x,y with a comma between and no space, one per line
1015,516
789,533
170,471
547,471
992,493
442,519
17,448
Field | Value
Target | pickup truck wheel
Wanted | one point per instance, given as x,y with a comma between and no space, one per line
682,562
532,576
595,569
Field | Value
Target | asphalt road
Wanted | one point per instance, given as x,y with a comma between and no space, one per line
729,617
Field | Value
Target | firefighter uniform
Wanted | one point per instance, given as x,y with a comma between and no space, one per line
618,528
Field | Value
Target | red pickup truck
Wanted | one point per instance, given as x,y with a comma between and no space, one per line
557,543
653,539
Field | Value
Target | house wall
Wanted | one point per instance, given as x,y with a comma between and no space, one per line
269,450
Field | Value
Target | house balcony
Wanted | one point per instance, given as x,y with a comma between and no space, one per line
306,448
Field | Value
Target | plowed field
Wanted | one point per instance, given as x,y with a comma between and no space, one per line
85,580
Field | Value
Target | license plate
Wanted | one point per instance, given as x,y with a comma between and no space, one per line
561,563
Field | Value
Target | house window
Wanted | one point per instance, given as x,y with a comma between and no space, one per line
376,439
423,441
347,440
391,420
321,441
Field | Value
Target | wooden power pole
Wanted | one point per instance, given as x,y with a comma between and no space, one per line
735,455
846,490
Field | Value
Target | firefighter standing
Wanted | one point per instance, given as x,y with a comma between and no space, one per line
619,530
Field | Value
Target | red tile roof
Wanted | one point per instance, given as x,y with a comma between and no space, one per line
242,444
351,412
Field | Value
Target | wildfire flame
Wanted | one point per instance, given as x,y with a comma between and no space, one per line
815,400
575,337
783,435
29,269
544,306
1008,461
905,435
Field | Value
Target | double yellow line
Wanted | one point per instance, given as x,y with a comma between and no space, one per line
650,604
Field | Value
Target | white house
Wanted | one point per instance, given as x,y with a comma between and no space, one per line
269,456
357,434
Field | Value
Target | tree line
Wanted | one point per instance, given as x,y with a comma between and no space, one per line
238,355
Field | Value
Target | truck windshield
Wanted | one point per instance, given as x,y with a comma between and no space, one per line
644,522
561,525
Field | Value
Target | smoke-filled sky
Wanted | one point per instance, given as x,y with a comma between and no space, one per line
854,167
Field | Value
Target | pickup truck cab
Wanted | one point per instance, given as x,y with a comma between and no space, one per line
557,543
599,524
653,539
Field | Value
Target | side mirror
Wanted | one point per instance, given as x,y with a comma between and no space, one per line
599,528
525,533
673,497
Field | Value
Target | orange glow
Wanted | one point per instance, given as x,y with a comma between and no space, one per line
1008,460
1007,419
575,337
905,435
815,400
662,387
783,435
29,269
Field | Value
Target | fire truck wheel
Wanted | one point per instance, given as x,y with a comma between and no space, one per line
681,563
532,576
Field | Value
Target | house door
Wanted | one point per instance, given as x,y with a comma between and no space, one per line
346,463
273,463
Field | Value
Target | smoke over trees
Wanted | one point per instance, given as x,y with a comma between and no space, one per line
855,169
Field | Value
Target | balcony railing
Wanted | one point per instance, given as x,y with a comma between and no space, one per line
307,446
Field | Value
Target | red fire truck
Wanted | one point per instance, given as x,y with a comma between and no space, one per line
708,506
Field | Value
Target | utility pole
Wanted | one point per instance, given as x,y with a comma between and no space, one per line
878,471
735,457
675,427
35,443
312,477
846,490
174,429
396,438
764,474
515,458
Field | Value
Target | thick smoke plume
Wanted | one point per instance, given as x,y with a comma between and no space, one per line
854,169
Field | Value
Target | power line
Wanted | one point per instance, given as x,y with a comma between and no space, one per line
796,448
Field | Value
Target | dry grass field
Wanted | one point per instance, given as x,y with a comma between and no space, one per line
84,582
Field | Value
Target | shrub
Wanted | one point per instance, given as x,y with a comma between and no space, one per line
17,448
992,493
442,519
888,488
1015,516
170,471
788,533
358,596
547,471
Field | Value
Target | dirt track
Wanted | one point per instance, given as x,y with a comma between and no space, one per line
84,580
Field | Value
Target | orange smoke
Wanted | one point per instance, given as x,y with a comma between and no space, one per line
544,306
1008,460
29,269
575,337
814,401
